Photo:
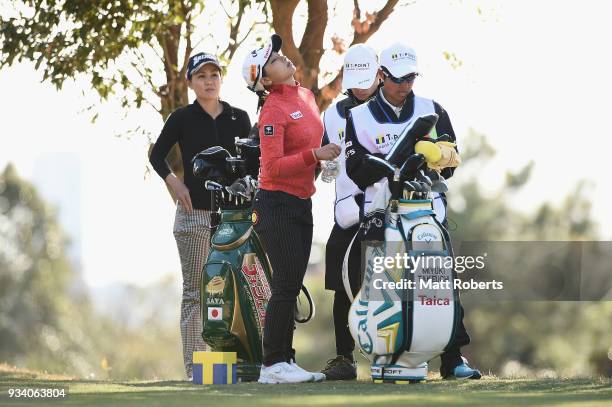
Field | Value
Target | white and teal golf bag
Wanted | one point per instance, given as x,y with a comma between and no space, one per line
406,310
400,329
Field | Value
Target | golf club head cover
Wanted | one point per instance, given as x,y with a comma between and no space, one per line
208,171
378,166
411,166
415,131
430,150
249,150
214,155
198,166
449,156
210,164
248,147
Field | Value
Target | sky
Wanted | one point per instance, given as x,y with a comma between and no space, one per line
534,79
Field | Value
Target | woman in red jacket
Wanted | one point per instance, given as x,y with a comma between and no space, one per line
290,133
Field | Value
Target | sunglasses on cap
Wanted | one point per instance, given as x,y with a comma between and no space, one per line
408,78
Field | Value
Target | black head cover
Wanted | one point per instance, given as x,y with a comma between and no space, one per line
214,155
249,150
248,147
210,164
411,166
415,131
378,166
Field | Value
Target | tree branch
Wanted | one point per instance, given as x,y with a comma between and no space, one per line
161,39
188,49
327,93
132,86
156,52
282,20
381,16
232,45
311,47
197,44
255,24
146,77
225,10
239,43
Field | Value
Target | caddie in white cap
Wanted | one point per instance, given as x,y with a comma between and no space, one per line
399,60
374,127
360,79
359,68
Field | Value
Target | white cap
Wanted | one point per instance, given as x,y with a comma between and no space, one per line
399,60
256,59
360,67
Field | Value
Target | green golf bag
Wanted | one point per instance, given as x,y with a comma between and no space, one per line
235,292
235,286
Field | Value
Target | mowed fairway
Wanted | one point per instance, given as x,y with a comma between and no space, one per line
487,392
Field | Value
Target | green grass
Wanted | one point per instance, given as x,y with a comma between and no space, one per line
487,392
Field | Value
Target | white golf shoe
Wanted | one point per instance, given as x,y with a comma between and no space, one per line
318,376
283,372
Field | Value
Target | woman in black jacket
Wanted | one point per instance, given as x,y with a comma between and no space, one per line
207,122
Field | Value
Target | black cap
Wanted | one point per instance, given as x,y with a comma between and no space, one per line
199,60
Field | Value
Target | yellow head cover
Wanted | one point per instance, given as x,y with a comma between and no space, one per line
438,155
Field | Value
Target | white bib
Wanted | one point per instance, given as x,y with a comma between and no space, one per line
346,210
379,137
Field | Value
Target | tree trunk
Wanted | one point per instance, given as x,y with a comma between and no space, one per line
173,93
307,56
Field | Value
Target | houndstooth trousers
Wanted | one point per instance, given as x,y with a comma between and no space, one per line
192,235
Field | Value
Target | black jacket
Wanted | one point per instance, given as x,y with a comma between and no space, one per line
195,130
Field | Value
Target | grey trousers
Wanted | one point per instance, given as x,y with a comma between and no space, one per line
192,235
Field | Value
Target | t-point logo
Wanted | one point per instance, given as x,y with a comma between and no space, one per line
403,55
357,66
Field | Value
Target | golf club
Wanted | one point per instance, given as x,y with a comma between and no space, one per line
212,185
